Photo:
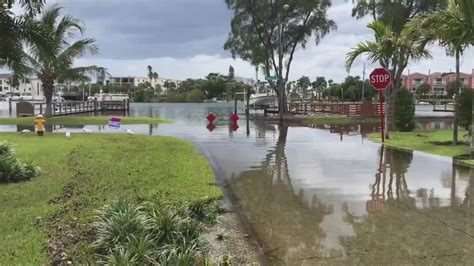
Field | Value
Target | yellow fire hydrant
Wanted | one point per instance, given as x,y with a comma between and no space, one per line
39,122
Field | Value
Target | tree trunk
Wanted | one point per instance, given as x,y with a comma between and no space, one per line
456,107
48,88
472,135
282,99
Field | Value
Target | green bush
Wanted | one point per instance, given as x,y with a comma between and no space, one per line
11,170
465,108
404,113
131,234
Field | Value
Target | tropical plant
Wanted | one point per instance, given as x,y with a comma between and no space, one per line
452,28
465,109
15,30
423,89
11,170
320,84
393,52
51,57
267,33
150,73
131,234
304,83
204,210
404,115
395,12
452,88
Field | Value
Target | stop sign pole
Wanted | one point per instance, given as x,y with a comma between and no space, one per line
380,79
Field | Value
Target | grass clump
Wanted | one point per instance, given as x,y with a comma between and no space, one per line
13,171
435,142
337,120
221,235
134,234
81,120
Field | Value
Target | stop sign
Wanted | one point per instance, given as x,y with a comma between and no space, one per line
380,78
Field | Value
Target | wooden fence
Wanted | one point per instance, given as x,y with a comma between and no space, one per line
361,109
70,108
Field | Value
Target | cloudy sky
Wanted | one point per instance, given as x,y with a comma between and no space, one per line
184,38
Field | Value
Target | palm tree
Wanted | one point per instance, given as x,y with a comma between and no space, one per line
392,51
14,30
452,28
51,57
150,73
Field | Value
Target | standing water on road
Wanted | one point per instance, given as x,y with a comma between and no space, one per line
320,196
311,196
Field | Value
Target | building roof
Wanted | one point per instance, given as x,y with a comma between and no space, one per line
436,74
5,76
454,74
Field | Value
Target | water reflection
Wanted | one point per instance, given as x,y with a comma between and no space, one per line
307,217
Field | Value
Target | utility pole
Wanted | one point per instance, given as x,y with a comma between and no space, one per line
363,84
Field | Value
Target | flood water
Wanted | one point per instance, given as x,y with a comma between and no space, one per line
328,195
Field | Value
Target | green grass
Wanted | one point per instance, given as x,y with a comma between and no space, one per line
81,120
435,142
98,168
338,120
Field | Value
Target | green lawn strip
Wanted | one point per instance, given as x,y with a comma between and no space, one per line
98,168
434,142
338,120
468,162
81,120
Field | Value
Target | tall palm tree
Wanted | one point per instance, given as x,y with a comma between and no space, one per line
452,28
150,73
14,30
392,51
51,57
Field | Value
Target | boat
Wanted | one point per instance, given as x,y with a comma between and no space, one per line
264,97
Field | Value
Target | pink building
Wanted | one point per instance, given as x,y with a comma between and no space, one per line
438,81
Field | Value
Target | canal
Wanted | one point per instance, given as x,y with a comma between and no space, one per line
328,195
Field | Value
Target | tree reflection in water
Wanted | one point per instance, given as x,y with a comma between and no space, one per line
395,229
399,225
287,227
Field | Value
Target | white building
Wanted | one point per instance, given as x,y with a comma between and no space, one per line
31,86
135,81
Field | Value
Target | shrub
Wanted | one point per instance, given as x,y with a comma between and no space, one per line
465,108
204,210
11,170
131,234
404,113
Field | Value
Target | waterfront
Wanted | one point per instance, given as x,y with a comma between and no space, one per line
307,194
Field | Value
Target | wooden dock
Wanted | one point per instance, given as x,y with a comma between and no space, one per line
72,107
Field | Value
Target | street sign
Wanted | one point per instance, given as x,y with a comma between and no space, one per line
271,78
115,122
380,78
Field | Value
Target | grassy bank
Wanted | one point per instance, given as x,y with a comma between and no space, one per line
435,142
81,175
81,120
338,120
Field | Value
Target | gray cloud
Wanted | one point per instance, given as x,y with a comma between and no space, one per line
184,38
141,29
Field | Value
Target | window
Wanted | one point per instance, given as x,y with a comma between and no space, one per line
0,88
439,81
1,82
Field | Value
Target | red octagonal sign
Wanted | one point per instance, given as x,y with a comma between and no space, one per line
380,78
